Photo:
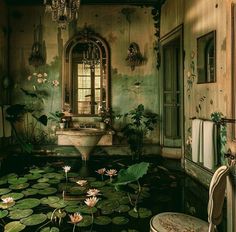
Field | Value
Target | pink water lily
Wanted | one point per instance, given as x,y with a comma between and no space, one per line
82,182
75,218
101,171
91,202
111,172
93,192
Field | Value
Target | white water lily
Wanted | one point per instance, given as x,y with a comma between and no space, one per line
91,202
45,74
8,200
82,182
93,192
39,75
67,168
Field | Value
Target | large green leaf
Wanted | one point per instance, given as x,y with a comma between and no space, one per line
132,173
120,220
15,226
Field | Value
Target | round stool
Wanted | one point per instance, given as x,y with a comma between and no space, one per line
177,222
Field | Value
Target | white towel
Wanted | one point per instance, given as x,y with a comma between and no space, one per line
209,144
197,144
7,125
1,122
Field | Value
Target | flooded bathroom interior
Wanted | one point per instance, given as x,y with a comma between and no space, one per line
117,116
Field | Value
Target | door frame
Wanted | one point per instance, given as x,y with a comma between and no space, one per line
176,33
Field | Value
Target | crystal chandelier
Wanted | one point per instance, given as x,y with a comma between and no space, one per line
63,11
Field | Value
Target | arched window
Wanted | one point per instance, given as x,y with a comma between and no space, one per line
86,74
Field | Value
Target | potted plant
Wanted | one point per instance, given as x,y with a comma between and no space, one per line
106,117
58,117
140,122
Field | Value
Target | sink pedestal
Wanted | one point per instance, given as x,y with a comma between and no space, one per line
83,139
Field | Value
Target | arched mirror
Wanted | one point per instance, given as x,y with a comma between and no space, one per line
86,74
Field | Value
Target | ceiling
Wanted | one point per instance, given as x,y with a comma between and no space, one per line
93,2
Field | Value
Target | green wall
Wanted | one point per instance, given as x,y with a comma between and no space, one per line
113,26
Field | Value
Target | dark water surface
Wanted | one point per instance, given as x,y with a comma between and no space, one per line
165,188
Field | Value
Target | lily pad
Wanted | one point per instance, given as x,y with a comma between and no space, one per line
85,209
15,196
4,191
120,220
43,180
87,221
76,191
30,191
71,208
2,182
47,191
19,186
19,213
54,181
49,200
102,220
36,170
40,185
54,175
48,169
91,179
15,226
27,203
59,204
72,174
7,205
3,213
142,213
124,200
108,205
97,184
50,229
122,208
33,176
34,219
15,181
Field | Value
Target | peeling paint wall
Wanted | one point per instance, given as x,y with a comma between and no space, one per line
113,26
200,17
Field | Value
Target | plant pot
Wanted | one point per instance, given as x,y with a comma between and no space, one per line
62,125
102,125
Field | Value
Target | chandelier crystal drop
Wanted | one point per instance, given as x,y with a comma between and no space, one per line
63,11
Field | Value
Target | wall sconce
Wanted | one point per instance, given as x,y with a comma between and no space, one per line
134,57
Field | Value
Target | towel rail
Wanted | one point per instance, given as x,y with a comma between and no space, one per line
223,120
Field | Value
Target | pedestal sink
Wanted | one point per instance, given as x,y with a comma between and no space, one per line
84,139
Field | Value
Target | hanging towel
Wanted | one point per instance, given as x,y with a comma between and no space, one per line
7,125
197,140
1,122
209,144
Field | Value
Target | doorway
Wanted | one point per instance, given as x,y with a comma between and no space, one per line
172,89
